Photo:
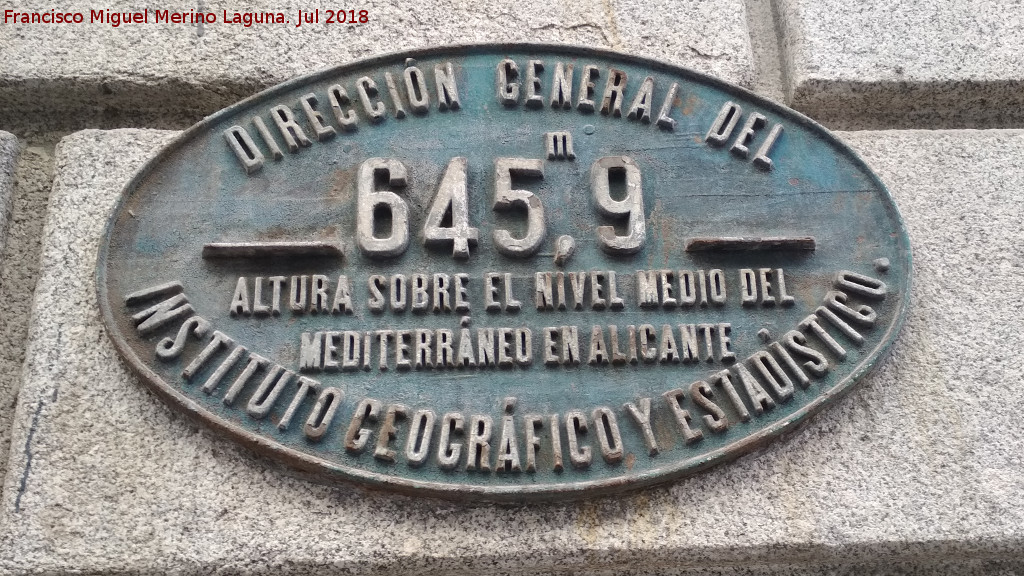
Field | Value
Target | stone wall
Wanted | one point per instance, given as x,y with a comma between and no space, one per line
919,470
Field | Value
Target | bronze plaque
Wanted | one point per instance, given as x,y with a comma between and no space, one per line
504,271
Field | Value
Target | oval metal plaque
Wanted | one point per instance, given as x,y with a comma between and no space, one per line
512,271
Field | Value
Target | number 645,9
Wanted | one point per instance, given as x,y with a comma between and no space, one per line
452,201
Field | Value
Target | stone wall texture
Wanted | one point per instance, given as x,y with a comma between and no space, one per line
899,64
171,70
8,161
920,470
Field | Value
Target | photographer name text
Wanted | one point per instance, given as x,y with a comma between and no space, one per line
116,19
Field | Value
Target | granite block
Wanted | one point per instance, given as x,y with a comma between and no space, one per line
8,160
9,152
159,71
918,470
878,64
30,183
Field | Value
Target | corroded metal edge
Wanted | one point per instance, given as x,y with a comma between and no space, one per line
323,470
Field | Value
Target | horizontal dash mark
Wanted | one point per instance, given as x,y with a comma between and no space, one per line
271,249
736,244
